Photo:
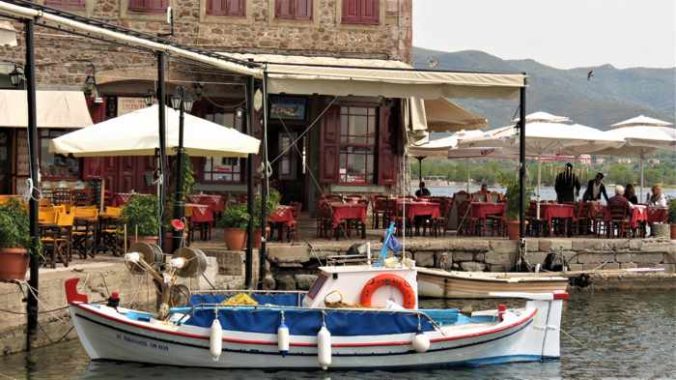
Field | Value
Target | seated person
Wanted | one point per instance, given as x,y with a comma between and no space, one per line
657,199
482,195
422,191
630,194
595,188
618,200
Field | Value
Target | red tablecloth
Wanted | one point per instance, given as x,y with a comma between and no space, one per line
415,209
347,211
658,215
481,210
199,213
638,214
550,211
214,201
283,214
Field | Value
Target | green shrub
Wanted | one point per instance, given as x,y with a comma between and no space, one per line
142,212
14,226
235,216
511,184
672,210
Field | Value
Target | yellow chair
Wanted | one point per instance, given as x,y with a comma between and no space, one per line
47,215
57,240
84,230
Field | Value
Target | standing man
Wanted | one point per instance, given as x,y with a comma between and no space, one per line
422,191
595,189
567,185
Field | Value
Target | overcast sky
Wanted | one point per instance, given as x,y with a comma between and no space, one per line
560,33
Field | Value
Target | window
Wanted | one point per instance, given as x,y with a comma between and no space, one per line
357,142
52,166
364,12
220,169
154,6
235,8
65,3
293,9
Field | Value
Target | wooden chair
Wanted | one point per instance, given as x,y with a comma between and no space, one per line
85,230
618,224
56,240
111,233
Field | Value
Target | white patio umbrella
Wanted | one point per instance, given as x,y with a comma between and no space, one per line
136,134
642,136
546,135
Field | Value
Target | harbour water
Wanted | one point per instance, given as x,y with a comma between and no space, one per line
606,335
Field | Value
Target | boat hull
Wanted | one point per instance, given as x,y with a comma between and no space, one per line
109,335
433,283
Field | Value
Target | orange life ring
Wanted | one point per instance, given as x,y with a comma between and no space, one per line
387,279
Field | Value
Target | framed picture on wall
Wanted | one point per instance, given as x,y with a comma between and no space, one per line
287,108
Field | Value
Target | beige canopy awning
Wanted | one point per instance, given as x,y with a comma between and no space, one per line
373,77
55,109
442,115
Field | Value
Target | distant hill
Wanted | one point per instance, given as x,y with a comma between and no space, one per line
612,94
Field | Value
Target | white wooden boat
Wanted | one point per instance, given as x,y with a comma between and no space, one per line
438,283
301,331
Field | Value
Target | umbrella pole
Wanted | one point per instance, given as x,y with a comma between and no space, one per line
249,120
539,182
467,170
265,188
641,157
420,176
179,204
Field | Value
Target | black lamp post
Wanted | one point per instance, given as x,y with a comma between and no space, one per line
182,102
17,77
149,99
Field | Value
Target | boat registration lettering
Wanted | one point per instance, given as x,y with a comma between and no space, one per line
142,342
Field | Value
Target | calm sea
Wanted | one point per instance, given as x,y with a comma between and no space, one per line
607,335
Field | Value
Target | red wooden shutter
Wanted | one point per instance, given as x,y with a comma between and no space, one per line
387,160
350,11
284,9
148,5
361,11
328,146
303,10
65,3
235,7
214,7
370,11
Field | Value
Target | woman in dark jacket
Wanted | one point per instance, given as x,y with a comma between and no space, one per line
630,194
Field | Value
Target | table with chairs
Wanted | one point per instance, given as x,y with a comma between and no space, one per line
283,220
339,216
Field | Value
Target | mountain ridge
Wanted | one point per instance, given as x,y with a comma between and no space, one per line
612,95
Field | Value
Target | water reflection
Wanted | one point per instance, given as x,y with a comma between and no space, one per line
629,334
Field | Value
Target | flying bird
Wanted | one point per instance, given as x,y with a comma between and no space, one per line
590,74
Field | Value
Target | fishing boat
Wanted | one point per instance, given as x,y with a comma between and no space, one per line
353,317
438,283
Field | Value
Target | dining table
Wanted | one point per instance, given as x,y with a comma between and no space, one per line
282,217
551,212
348,212
482,210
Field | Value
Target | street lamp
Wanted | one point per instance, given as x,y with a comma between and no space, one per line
149,99
17,77
181,101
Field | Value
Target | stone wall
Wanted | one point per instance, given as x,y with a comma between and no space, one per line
96,279
63,60
291,263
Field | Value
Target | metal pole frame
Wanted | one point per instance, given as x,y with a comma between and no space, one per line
32,309
179,203
522,160
249,119
262,255
162,125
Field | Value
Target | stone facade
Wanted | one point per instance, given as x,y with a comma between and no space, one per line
63,60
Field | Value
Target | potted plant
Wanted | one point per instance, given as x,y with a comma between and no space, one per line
14,241
274,198
672,217
512,191
141,214
234,222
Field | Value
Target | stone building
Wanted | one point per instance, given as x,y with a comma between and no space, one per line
365,29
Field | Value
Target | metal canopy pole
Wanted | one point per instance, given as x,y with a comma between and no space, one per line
248,118
420,176
522,160
161,99
34,259
265,185
179,204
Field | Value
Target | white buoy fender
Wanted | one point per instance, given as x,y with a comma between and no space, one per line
324,347
216,340
283,339
420,343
